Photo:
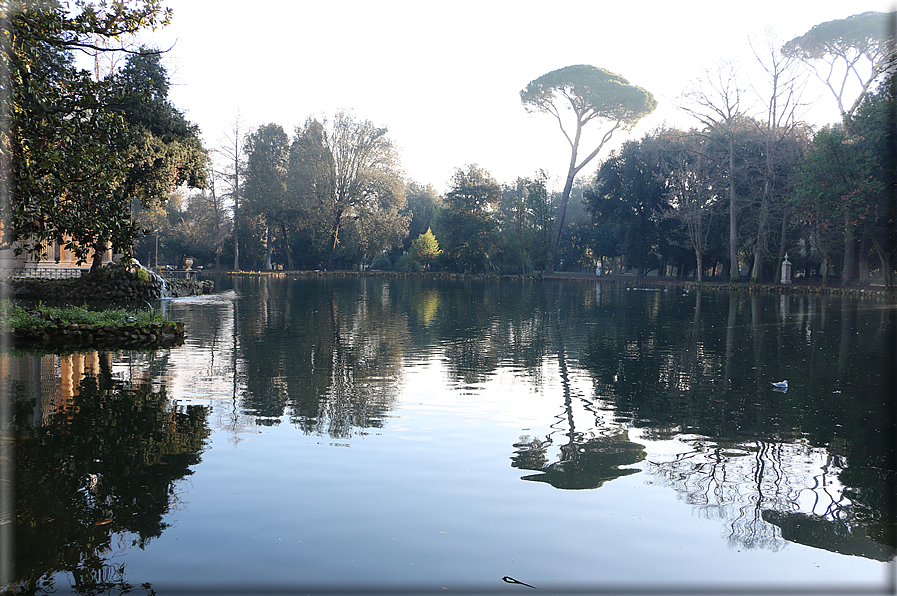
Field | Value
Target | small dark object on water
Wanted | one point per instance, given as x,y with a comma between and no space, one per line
511,580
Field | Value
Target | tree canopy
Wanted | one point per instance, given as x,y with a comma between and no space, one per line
467,222
859,44
74,157
590,93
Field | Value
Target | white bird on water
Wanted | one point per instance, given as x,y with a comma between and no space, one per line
781,385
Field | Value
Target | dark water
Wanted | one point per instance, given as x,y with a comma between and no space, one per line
419,435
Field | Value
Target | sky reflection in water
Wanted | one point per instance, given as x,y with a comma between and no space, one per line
450,433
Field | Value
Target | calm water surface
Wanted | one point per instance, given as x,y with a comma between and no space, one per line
421,435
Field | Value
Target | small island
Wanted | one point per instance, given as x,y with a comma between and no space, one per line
116,310
76,327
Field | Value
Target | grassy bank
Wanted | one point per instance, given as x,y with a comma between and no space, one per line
69,326
14,316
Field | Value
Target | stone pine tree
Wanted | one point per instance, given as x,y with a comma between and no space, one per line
846,51
588,93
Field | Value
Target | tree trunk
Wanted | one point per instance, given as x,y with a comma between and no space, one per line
734,269
562,212
97,260
782,239
286,246
757,266
760,240
863,260
848,272
886,265
333,239
236,221
699,257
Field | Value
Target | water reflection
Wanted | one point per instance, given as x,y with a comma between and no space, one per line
327,358
100,456
671,364
584,464
669,388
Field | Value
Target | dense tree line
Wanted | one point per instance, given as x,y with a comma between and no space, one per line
103,158
729,197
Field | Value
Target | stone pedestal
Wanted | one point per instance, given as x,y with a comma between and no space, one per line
786,270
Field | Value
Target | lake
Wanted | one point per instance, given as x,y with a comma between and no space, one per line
423,435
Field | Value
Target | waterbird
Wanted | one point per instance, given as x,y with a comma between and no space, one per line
781,385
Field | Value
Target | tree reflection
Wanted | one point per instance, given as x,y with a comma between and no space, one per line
760,489
97,465
703,370
583,464
329,354
327,358
587,459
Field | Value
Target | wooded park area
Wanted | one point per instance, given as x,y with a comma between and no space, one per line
101,158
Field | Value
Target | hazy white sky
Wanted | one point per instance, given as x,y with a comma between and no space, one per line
445,77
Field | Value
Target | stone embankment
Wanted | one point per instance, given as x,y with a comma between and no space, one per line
115,284
793,288
60,335
121,284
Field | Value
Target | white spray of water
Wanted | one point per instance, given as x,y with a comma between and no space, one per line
164,292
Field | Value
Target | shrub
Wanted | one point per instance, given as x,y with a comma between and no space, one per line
407,263
382,262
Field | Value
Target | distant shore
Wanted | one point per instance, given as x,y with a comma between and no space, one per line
799,286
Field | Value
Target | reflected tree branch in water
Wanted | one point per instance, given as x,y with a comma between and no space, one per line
752,486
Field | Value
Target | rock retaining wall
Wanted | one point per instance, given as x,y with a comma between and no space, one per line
110,284
61,335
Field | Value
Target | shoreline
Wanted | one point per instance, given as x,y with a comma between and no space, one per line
800,287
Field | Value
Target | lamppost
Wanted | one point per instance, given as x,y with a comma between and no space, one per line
157,249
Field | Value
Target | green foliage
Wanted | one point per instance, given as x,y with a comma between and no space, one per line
526,222
75,157
422,203
590,93
382,263
425,248
266,197
310,181
847,179
627,196
407,263
14,316
593,93
167,150
861,47
368,189
865,32
467,223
